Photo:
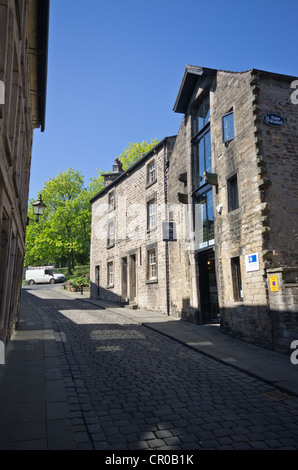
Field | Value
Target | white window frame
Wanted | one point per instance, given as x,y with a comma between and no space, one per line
152,264
111,197
152,214
110,274
111,233
151,172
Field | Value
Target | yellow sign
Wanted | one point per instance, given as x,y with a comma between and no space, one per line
274,284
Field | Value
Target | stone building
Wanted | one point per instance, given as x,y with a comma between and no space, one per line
230,190
128,257
23,74
238,150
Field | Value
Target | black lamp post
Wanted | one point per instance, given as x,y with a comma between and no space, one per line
38,209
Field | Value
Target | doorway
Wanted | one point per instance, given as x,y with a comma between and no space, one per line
132,279
129,279
208,288
124,279
97,281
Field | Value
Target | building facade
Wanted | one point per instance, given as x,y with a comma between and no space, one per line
23,72
128,256
230,190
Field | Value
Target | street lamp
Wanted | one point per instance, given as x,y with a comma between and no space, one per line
38,209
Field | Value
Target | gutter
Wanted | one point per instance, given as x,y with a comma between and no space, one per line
43,41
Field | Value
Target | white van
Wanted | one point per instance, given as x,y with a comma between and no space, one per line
43,276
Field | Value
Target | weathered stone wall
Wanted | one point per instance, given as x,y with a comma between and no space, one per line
179,207
19,115
279,151
283,299
239,232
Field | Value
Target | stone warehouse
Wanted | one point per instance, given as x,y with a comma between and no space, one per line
215,230
23,76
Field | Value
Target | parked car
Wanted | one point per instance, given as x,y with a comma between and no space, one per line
43,276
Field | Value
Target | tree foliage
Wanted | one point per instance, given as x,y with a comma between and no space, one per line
62,235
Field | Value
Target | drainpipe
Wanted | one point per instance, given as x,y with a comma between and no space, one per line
166,165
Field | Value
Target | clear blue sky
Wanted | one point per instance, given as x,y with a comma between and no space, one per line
115,67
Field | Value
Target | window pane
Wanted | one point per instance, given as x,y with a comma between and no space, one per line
201,222
152,271
210,214
236,279
208,152
228,127
152,214
233,199
110,274
202,115
201,161
204,221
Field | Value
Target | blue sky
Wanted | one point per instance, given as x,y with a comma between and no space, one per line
115,67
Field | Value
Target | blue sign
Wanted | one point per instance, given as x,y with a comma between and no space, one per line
252,262
252,258
273,120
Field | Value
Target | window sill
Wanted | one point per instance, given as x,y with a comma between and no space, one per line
111,286
110,246
148,185
149,230
152,281
226,143
234,211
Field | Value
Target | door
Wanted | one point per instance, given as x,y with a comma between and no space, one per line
124,279
97,281
132,279
208,288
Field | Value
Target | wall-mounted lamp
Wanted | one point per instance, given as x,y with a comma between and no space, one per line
38,209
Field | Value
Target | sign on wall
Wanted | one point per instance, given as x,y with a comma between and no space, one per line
252,262
273,284
169,232
273,120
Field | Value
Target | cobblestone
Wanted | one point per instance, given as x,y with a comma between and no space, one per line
129,387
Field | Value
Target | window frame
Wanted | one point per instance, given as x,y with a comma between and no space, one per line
111,241
237,281
203,198
110,274
111,207
199,135
152,265
149,179
233,193
229,113
149,215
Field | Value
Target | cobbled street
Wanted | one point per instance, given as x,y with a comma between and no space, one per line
129,387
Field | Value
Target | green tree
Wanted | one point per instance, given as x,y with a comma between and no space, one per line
132,153
62,235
